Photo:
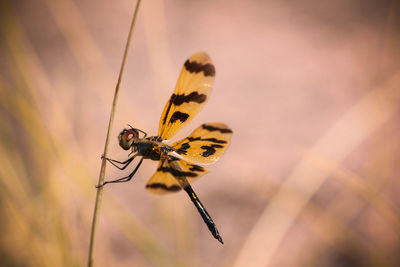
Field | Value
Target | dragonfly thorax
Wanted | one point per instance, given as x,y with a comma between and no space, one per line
152,148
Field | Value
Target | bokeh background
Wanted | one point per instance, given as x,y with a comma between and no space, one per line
310,88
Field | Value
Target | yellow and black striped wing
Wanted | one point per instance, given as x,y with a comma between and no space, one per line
165,179
192,91
206,144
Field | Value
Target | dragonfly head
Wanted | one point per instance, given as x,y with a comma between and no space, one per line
127,138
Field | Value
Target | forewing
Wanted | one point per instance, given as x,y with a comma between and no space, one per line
206,144
165,179
191,93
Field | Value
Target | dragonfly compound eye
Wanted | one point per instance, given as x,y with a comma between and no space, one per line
127,137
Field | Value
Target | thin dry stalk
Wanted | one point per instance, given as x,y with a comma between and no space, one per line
99,194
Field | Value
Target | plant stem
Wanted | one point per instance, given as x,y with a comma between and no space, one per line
99,194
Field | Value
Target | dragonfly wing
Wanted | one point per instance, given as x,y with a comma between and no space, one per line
191,93
165,180
206,144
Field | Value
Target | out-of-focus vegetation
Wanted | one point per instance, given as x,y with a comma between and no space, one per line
46,188
311,178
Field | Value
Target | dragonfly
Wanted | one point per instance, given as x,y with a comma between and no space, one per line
179,163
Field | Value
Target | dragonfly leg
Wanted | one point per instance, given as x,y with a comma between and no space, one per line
123,179
124,163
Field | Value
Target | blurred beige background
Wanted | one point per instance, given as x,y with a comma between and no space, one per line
310,89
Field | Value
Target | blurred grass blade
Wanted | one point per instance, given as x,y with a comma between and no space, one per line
359,186
352,129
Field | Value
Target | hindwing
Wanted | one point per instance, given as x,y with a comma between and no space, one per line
165,180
